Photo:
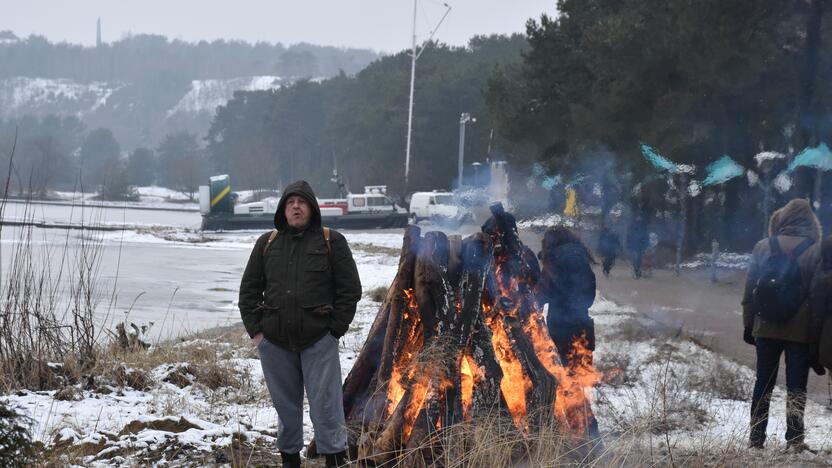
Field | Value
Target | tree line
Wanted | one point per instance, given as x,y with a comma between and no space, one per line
358,124
572,100
577,95
696,80
145,57
60,154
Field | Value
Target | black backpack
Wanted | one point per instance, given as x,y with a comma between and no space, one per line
779,291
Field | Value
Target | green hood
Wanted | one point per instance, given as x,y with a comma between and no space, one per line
302,188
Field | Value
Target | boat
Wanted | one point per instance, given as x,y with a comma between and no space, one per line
372,209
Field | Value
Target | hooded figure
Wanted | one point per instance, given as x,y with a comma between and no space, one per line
298,296
567,284
791,226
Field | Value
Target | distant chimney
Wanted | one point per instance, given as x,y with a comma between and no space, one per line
98,34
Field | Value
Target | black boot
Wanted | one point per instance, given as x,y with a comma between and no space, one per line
290,460
335,460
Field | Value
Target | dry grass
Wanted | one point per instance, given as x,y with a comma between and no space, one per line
49,297
377,294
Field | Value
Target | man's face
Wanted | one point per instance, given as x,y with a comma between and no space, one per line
298,212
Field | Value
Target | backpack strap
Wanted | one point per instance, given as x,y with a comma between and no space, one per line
801,247
774,246
272,237
327,236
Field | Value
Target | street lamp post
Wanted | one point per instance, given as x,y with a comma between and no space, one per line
463,119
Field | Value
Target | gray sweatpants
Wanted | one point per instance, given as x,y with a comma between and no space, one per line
318,369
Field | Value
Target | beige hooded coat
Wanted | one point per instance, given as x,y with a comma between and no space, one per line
791,224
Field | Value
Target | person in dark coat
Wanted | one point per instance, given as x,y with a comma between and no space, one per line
793,226
820,312
638,239
609,245
567,284
298,296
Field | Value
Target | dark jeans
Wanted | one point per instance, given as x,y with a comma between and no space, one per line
609,261
797,376
636,257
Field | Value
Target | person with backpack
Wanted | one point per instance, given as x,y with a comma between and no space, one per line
298,296
820,298
776,316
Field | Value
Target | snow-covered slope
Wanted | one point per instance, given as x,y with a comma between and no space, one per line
207,95
39,96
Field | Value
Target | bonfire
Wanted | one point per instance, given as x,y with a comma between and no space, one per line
460,336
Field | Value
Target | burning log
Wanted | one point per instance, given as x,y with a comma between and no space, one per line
459,336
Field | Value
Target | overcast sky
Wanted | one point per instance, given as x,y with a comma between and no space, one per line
382,25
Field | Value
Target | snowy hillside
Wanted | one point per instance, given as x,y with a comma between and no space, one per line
39,96
207,95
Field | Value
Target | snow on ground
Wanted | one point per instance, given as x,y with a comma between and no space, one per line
725,261
149,197
101,416
384,242
660,389
539,223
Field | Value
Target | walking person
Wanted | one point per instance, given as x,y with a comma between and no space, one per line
298,296
638,239
776,315
609,245
567,284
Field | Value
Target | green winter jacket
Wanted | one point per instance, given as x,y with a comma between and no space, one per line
301,288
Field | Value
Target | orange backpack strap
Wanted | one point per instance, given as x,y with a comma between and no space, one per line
272,237
327,236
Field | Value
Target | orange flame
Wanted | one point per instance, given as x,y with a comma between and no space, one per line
420,391
413,339
470,376
515,383
572,406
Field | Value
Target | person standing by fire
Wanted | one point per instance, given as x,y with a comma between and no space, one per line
567,284
776,316
298,296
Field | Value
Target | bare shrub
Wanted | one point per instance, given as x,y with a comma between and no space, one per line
133,378
377,294
724,380
215,375
616,368
48,297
